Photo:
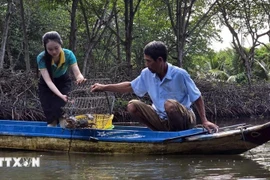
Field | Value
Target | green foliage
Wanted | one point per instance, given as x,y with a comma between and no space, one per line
38,21
3,9
52,4
120,103
151,22
227,66
261,67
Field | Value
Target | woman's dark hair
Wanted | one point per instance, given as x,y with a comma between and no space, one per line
54,36
156,49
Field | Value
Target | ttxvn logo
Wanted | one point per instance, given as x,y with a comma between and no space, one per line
19,162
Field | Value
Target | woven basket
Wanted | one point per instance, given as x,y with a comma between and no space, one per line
98,105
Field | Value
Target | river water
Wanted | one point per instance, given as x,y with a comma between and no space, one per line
254,164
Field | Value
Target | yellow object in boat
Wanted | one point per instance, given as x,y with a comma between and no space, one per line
97,121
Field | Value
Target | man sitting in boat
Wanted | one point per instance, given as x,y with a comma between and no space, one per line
171,90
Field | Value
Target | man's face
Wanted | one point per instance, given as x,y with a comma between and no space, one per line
152,65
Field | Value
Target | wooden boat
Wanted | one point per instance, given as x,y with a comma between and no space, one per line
36,136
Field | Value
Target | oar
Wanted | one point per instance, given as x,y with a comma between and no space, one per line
233,126
204,132
184,136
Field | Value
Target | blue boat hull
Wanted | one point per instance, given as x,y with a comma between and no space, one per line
33,135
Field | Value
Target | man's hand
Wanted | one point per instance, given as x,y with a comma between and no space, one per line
211,127
97,87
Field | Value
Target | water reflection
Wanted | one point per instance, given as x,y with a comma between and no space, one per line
252,165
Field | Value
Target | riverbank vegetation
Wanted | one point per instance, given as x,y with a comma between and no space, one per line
108,39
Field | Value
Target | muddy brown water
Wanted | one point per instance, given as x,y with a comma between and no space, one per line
251,165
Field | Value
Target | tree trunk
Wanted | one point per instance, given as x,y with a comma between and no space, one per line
180,23
73,27
118,40
86,58
25,39
128,36
129,18
180,18
97,31
5,33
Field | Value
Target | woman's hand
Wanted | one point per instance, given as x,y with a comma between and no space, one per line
77,73
64,97
80,79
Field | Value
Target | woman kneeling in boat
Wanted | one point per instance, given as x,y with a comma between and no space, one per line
171,90
55,83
